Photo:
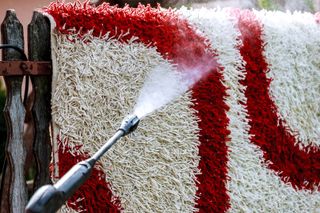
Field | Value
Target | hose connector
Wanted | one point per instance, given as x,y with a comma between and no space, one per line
129,124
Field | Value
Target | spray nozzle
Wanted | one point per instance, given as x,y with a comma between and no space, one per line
129,124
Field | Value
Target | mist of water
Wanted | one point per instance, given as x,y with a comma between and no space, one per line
163,85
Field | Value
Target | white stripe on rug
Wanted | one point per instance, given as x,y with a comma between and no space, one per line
292,52
98,82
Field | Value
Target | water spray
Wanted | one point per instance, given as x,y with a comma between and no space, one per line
50,198
161,87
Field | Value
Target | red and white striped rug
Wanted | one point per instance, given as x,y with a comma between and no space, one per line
246,138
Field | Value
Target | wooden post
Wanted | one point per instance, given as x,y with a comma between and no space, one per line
14,190
39,50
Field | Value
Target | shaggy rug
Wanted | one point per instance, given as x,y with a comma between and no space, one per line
244,137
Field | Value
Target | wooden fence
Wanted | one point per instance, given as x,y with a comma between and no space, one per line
14,68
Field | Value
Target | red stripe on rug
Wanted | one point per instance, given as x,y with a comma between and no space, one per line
281,152
94,195
161,28
211,109
317,17
176,40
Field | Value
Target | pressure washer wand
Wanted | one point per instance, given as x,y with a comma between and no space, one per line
50,198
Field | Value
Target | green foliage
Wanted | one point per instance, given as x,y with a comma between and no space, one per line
267,4
310,5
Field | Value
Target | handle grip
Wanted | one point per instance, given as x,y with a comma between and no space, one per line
49,198
46,199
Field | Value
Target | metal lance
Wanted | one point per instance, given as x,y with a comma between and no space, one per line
50,198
